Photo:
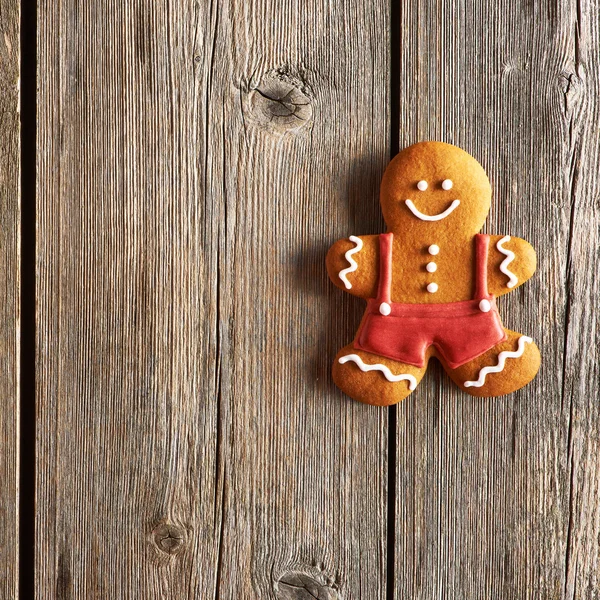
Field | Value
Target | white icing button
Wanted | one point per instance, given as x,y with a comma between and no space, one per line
485,306
447,184
431,267
422,185
433,249
432,288
385,309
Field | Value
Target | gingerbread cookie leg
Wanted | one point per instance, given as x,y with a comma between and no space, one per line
504,369
373,379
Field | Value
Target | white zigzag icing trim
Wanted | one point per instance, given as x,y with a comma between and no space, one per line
501,362
510,256
353,266
388,374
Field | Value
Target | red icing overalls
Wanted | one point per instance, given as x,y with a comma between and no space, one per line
460,331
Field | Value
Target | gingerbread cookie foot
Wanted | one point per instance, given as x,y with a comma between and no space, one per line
504,369
373,379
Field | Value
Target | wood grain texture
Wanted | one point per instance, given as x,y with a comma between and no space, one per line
498,498
9,296
195,160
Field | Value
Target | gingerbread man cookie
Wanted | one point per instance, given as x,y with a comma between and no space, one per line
431,284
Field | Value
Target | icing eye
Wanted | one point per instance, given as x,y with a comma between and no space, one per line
446,184
422,185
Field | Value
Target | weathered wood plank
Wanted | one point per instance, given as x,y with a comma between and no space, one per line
195,161
9,295
307,469
580,395
499,498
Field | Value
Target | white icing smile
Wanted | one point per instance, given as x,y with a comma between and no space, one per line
415,211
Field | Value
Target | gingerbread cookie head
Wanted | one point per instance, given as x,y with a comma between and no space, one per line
432,182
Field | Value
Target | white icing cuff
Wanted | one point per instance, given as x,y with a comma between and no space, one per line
510,256
377,367
353,266
501,362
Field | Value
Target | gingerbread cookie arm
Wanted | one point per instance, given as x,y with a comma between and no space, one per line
511,262
352,265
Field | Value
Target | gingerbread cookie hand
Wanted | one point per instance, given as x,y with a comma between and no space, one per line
431,283
511,262
352,265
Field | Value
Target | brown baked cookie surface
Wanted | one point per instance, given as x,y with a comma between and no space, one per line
431,282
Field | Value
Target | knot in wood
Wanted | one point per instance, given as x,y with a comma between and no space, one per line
169,538
573,87
301,586
279,103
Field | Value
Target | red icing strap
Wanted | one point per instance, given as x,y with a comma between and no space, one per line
385,267
482,243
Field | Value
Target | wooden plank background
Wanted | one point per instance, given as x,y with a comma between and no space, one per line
195,161
9,297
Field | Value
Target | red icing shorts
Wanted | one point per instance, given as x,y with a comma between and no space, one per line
460,331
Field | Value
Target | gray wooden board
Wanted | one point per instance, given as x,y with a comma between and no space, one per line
9,296
196,159
500,498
